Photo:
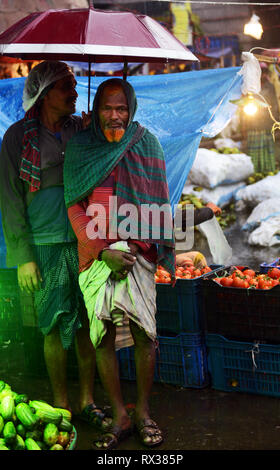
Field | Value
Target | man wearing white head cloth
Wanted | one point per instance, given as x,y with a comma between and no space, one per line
38,235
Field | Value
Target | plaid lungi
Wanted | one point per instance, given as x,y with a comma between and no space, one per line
59,301
261,149
132,298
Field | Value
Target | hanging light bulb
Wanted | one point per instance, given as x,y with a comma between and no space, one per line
254,27
250,104
250,109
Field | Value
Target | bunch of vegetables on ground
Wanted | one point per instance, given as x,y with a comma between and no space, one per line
227,215
188,271
249,279
32,424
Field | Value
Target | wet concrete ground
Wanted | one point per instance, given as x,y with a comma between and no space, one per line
191,419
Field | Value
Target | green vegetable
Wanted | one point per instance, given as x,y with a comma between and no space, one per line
26,417
30,444
65,413
21,398
9,433
19,443
2,385
65,425
56,447
1,424
21,430
2,447
36,434
63,438
7,407
50,435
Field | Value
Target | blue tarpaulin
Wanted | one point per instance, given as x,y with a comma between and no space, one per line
178,108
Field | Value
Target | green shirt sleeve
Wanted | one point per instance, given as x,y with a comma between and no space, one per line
12,199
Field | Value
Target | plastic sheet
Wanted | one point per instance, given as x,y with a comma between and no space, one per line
178,108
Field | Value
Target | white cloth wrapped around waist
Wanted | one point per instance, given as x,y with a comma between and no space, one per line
118,301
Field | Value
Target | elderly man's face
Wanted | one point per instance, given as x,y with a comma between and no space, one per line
62,97
113,113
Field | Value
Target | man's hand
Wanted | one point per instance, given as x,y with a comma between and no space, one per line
86,119
134,248
120,262
217,210
29,277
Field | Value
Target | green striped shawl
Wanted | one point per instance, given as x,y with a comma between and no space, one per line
140,178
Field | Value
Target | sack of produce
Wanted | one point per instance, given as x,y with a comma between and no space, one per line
266,188
262,212
211,169
267,234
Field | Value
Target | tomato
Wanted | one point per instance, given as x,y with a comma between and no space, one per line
274,282
253,282
186,275
218,279
249,272
205,270
264,283
196,273
274,273
226,281
238,282
237,272
190,269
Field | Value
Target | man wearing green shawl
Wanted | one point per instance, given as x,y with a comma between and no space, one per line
118,160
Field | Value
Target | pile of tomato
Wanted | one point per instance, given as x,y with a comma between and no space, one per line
248,278
188,271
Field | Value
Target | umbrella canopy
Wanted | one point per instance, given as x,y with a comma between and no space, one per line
87,34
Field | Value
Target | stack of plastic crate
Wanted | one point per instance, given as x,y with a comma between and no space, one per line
181,354
243,338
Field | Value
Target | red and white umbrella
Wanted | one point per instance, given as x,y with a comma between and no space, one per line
92,36
88,34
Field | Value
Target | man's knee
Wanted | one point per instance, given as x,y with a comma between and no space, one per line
140,336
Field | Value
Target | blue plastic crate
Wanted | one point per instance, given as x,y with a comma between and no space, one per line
179,308
243,367
265,267
180,360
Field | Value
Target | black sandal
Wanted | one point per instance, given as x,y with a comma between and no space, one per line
147,430
111,438
95,416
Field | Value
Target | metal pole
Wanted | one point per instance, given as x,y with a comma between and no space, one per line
89,77
125,70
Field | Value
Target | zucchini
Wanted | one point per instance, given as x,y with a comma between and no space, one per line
65,413
21,430
9,433
50,435
1,423
30,444
35,434
65,425
63,438
46,412
2,447
26,417
56,447
21,398
19,443
7,407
